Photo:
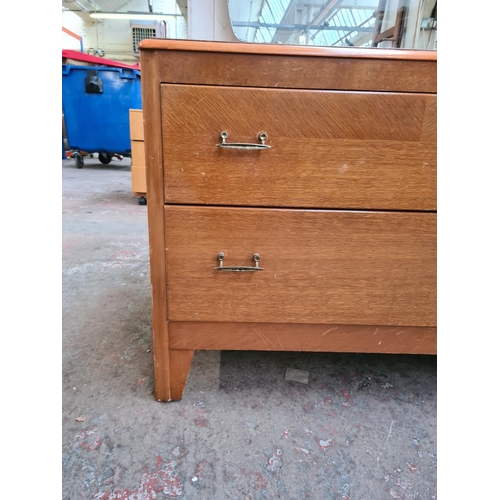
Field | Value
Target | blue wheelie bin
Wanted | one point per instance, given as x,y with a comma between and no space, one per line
96,103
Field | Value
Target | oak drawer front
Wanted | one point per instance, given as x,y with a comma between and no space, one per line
329,149
326,267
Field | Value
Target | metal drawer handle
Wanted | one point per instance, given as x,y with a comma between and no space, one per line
262,136
235,269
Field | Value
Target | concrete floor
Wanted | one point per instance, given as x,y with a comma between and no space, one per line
363,428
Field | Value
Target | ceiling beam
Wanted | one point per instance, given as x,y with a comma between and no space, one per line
355,30
295,27
356,4
323,14
83,8
288,17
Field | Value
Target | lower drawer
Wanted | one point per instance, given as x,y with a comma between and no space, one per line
317,266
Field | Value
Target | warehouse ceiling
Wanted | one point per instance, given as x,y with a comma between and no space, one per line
310,22
85,7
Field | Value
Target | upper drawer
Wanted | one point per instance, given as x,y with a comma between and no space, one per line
329,149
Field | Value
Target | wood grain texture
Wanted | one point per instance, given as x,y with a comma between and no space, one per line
302,337
298,72
278,49
328,149
325,267
429,126
180,361
154,177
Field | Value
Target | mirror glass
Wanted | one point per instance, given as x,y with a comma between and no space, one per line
405,24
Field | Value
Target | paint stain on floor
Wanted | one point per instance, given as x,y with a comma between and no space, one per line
91,440
163,479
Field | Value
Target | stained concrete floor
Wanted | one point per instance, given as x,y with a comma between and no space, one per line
363,428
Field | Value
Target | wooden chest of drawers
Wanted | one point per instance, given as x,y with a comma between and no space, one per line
291,200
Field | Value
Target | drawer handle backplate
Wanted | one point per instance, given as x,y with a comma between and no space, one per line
262,136
236,269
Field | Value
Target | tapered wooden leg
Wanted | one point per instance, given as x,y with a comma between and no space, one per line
161,361
180,361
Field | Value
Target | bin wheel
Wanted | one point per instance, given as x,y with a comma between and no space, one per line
105,158
143,201
78,159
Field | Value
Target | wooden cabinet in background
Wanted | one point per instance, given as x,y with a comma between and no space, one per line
291,200
138,166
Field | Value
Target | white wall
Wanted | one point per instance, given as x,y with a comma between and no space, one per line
114,37
75,24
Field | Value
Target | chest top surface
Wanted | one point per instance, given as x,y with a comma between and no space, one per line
285,66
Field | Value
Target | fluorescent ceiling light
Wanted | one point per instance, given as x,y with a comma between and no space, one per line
139,16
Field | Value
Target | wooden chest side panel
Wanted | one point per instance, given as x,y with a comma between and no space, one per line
325,267
156,225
